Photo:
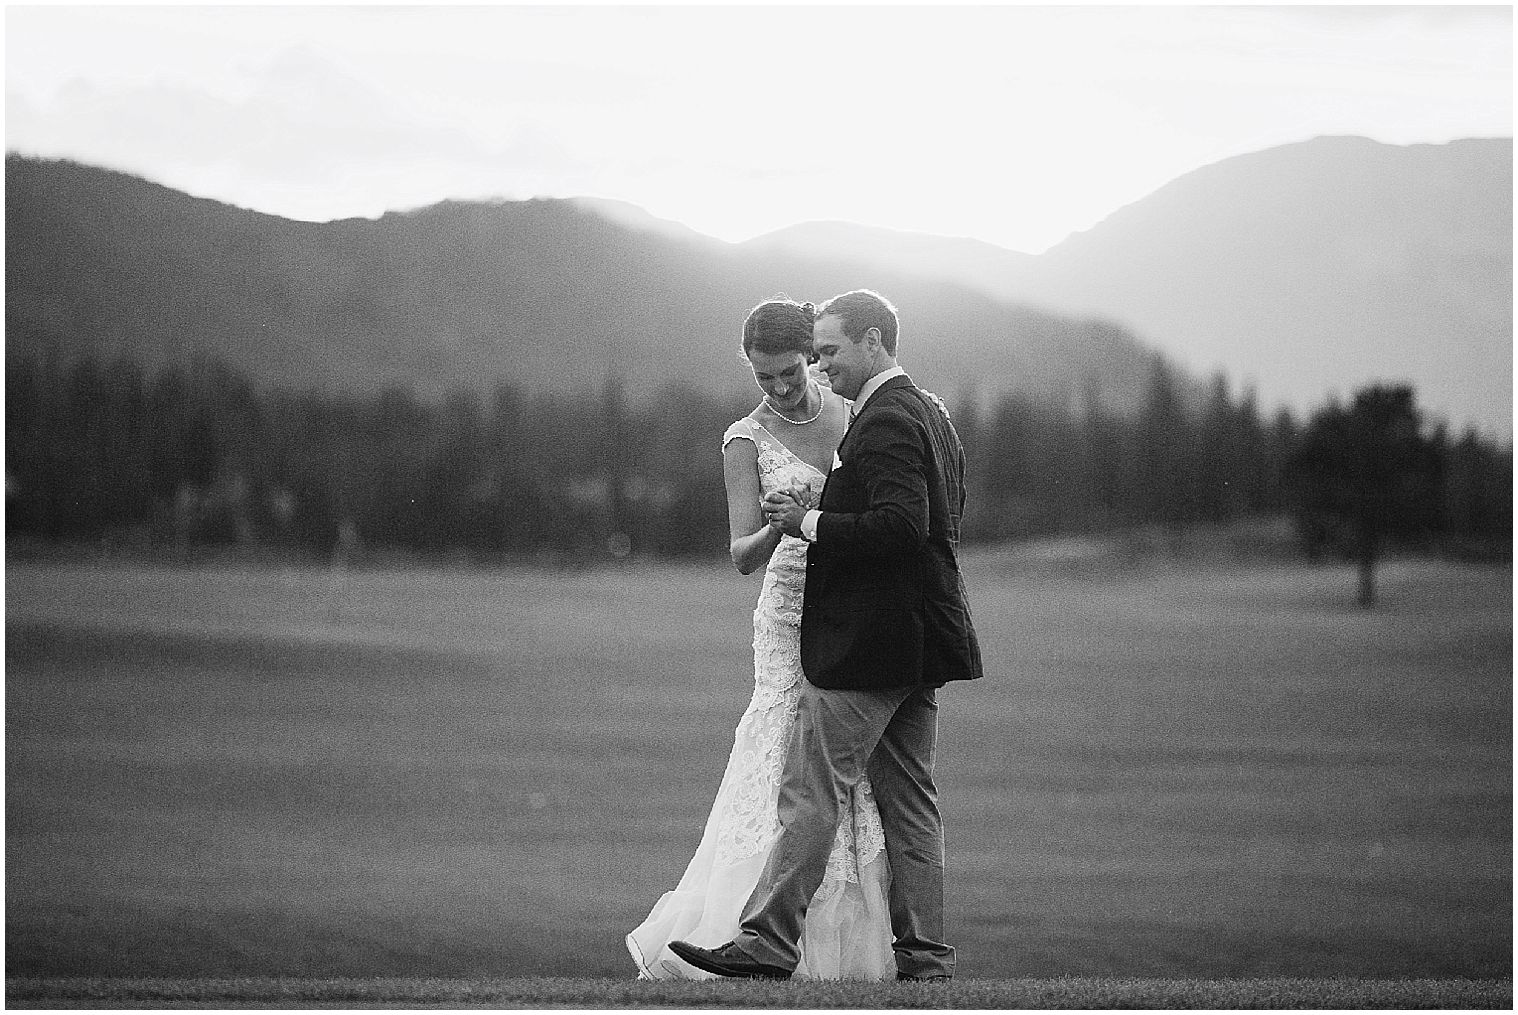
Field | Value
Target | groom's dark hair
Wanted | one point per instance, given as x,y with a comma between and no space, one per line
863,309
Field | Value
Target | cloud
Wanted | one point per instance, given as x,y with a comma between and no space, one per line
305,127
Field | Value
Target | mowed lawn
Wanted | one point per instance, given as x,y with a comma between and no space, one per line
1168,772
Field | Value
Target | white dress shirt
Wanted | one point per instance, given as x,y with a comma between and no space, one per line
809,521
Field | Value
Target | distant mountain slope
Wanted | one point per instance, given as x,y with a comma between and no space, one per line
554,295
1310,269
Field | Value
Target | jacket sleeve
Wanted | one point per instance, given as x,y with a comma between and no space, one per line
892,461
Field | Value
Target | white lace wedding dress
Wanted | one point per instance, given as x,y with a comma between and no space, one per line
848,925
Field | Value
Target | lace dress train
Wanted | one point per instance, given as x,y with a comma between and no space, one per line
847,934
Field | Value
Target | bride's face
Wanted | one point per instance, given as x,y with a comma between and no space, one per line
782,376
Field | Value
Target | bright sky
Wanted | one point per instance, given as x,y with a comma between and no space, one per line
1016,125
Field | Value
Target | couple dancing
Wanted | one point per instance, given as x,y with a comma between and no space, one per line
823,854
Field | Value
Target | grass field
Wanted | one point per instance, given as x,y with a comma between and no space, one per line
1193,773
561,992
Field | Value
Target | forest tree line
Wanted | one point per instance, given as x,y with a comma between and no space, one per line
196,455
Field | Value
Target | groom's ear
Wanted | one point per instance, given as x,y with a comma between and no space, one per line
872,336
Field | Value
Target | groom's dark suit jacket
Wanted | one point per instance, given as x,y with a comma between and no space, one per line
885,601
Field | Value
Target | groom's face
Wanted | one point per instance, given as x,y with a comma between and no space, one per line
847,363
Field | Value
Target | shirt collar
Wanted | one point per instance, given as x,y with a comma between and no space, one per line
873,385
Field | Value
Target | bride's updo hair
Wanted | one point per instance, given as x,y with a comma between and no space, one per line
779,325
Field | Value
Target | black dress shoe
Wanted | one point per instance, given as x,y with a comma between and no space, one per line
727,960
935,978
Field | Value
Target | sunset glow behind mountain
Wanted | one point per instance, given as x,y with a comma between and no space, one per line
1013,125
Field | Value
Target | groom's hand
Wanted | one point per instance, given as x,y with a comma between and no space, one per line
783,512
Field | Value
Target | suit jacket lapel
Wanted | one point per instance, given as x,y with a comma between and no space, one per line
894,382
901,380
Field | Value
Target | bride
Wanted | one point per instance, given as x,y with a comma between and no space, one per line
787,443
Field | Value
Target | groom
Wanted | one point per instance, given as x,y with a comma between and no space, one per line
885,623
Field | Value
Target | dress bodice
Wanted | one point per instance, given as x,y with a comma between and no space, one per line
780,469
779,466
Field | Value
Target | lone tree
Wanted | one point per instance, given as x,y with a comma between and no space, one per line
1364,477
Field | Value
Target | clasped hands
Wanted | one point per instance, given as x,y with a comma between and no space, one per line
784,510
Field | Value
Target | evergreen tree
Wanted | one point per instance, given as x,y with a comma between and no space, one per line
1163,453
1367,476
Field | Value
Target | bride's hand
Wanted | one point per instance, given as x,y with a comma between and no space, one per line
783,511
814,371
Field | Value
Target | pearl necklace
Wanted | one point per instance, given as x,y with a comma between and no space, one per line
821,404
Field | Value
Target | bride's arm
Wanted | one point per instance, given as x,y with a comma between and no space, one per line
753,540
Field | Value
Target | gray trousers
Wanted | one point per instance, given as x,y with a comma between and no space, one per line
838,737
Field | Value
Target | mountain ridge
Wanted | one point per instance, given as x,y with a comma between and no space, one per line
553,295
1302,272
1306,270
